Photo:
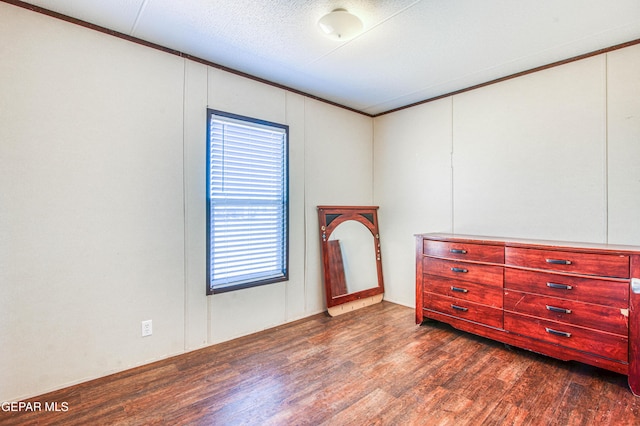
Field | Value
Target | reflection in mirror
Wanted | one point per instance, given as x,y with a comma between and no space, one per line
338,280
358,260
351,257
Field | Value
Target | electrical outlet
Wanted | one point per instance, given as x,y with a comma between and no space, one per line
147,328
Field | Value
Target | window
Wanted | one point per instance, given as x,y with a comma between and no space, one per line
247,205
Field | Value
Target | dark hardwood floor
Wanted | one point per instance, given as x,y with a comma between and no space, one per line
368,367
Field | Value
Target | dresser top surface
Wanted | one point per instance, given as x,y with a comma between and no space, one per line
527,242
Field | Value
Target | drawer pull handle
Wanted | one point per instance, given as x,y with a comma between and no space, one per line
560,310
558,262
557,333
458,251
461,270
559,286
459,308
459,290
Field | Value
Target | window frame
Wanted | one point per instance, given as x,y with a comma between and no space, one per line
211,289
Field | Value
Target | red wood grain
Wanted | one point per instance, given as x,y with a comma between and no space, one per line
482,274
587,300
338,280
606,345
473,292
600,317
610,292
419,282
525,342
634,329
329,217
464,309
464,251
600,264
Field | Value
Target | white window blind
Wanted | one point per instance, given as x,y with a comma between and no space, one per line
248,204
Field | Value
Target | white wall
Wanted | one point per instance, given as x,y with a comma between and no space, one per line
339,167
412,182
550,155
623,113
91,223
529,155
102,202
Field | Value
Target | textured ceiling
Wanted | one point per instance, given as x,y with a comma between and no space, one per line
409,51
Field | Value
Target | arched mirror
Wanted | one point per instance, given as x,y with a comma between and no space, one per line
351,257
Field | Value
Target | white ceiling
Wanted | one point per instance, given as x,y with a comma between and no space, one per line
410,50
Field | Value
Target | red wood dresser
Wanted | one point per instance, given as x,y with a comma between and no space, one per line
571,301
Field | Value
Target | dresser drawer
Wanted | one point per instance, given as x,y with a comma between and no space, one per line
464,309
480,274
588,315
602,264
590,290
464,251
606,345
464,290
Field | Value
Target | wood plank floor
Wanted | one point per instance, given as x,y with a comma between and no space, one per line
369,367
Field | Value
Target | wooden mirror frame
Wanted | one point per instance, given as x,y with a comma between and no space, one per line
329,217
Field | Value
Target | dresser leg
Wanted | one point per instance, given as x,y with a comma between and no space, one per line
634,386
426,320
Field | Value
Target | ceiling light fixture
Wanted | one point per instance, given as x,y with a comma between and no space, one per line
340,25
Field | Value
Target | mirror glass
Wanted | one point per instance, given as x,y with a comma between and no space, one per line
351,255
355,249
